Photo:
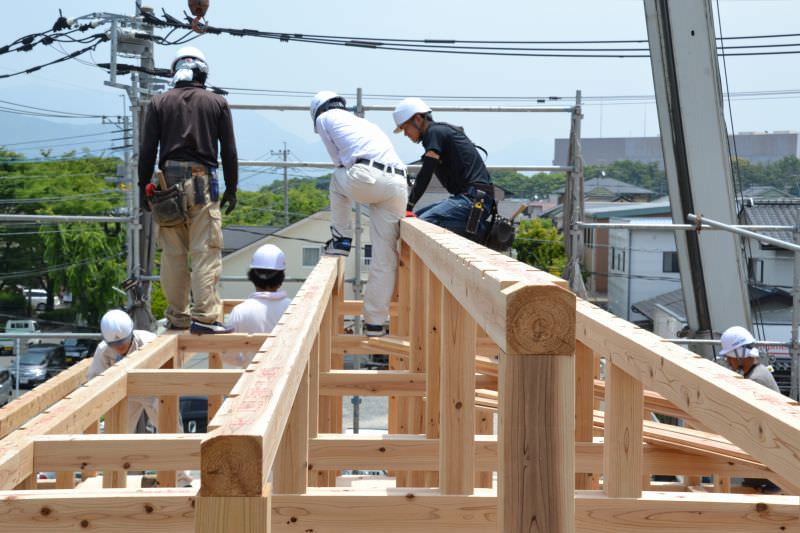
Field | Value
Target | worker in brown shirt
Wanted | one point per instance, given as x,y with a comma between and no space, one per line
185,125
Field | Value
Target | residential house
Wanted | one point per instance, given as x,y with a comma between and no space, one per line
302,243
606,189
642,263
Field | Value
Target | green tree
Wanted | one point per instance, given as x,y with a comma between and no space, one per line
265,207
521,186
83,258
539,244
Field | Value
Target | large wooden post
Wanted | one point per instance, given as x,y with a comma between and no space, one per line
622,455
418,274
400,407
433,348
537,413
584,405
233,514
457,440
290,471
167,423
116,421
325,422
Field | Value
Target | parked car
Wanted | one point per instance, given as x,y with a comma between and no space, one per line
39,363
77,349
6,386
38,298
194,412
18,326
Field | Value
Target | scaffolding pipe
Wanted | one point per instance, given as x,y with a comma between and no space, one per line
678,227
323,164
443,109
57,219
745,233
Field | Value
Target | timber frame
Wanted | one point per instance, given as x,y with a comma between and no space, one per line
473,333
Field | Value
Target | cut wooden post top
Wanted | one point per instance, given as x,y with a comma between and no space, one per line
522,309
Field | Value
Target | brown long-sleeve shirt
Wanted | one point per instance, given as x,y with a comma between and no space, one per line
186,123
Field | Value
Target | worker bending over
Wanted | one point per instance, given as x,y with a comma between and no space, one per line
458,165
739,348
368,171
121,340
186,125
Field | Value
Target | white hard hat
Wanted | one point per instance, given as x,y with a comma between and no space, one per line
116,327
269,257
318,101
406,109
736,337
189,51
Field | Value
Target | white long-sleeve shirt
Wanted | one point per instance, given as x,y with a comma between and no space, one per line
349,138
259,312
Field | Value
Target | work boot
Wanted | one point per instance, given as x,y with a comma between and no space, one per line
200,328
374,330
338,246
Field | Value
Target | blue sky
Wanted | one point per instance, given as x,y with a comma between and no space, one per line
523,138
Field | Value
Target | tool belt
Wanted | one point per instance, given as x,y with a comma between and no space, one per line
180,187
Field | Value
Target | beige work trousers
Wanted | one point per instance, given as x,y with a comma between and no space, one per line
191,258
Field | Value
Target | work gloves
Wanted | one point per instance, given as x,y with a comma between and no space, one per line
229,199
143,202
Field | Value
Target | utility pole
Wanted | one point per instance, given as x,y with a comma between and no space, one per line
284,153
140,242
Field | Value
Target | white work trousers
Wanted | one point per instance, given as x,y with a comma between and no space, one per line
386,195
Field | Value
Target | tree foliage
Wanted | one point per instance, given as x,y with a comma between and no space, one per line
265,207
86,259
538,244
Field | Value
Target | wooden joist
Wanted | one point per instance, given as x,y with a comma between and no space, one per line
761,422
382,382
154,451
198,382
30,404
232,343
354,344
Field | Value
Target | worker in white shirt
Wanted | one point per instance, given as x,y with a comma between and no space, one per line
261,310
121,340
368,171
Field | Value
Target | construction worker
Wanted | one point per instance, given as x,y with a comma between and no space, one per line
368,171
186,124
261,310
119,341
458,165
738,347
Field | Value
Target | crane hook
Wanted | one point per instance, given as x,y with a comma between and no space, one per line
198,8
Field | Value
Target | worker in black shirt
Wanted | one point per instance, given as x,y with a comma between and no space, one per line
188,126
458,165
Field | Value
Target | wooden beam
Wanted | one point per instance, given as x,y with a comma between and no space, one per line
182,382
214,400
653,402
233,515
100,510
762,422
356,344
693,512
480,278
622,472
30,404
180,451
356,307
457,402
237,457
418,273
395,510
399,406
382,383
230,343
403,510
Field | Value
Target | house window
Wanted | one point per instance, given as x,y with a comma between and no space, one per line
621,261
311,256
669,262
588,237
755,270
613,258
367,254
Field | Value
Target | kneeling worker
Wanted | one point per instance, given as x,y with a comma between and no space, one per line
458,165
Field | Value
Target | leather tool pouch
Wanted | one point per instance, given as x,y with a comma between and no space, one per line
501,234
169,207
